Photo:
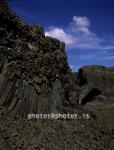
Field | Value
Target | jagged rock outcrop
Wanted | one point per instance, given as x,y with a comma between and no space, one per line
34,73
96,83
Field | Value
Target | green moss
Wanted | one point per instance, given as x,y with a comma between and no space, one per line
74,74
1,13
94,68
111,68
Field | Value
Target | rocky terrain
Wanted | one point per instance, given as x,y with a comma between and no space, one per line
96,83
95,86
35,78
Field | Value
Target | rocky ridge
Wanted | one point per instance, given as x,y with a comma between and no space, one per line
96,83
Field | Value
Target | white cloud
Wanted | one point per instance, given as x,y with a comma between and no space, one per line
81,24
81,21
78,34
61,35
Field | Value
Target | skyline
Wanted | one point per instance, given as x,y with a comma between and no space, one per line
85,26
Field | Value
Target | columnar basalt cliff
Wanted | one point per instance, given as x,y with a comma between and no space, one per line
34,73
35,78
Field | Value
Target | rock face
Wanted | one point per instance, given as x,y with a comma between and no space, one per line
35,78
96,83
33,68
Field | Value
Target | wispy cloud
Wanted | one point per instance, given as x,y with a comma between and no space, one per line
81,24
78,34
109,58
23,13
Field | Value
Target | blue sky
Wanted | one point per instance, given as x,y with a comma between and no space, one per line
86,26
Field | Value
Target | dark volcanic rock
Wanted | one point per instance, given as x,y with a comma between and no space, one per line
98,79
33,68
35,78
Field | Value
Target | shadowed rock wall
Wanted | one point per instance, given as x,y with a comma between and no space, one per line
95,77
34,73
